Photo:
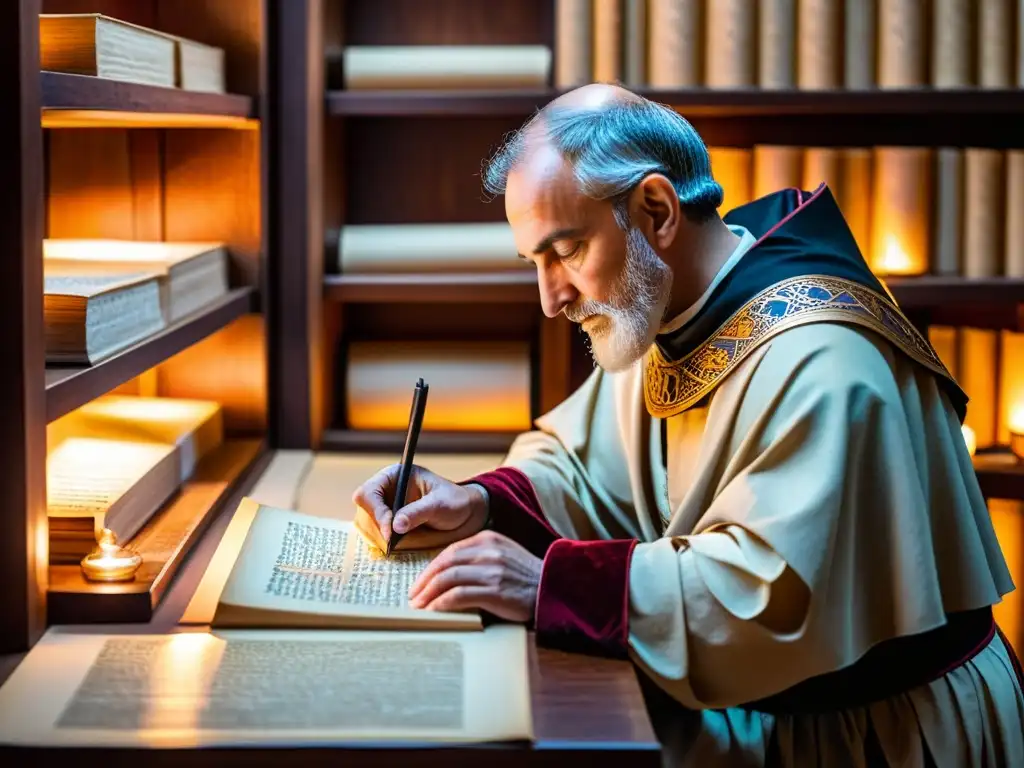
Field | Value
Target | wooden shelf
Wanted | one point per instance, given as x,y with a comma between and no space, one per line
68,388
931,291
1000,474
367,441
747,102
904,117
948,294
513,287
164,544
76,101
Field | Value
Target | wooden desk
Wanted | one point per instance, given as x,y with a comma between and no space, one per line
584,707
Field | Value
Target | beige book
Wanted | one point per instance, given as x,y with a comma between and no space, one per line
978,369
94,44
953,41
949,211
428,248
823,165
902,43
281,568
199,67
574,26
901,210
733,168
446,66
984,209
860,44
191,275
239,688
854,194
1010,388
995,43
944,340
474,386
608,40
95,483
776,168
634,63
819,44
88,318
1013,259
776,44
675,41
730,51
196,427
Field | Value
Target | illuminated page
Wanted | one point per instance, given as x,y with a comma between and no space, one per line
240,688
301,570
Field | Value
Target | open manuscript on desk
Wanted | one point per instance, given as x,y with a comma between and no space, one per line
322,648
281,568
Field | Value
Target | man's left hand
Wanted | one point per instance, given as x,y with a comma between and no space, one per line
486,571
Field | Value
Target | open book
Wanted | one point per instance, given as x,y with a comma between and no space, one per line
281,568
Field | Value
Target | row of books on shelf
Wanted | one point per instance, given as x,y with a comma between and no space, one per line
811,44
912,210
774,44
101,46
116,461
102,296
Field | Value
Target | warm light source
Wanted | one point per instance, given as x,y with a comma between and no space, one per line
1016,425
109,562
894,260
970,439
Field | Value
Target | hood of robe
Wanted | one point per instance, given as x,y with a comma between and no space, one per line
804,267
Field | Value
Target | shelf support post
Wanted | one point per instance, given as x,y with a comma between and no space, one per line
24,541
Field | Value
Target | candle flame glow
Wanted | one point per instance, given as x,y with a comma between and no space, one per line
970,439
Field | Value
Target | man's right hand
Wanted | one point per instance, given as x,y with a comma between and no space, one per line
436,511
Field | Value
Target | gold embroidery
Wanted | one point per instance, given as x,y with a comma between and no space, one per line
672,387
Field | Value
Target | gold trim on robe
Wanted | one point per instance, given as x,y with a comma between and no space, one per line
671,387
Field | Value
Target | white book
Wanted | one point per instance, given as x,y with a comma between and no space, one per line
191,274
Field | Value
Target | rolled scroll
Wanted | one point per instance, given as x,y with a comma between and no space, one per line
675,35
384,67
574,31
474,386
949,211
730,59
777,44
732,168
901,210
424,248
776,168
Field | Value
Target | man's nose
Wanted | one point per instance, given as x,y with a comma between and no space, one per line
556,292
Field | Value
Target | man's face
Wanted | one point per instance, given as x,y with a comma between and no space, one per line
609,281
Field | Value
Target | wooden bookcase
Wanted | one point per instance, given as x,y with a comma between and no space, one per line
414,157
90,157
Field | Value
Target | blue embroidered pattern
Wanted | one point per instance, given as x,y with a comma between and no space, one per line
672,387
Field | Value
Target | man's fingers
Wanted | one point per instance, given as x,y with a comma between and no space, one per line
450,578
475,549
470,597
370,496
416,513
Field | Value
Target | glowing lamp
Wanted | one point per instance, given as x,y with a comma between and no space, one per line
895,260
109,562
970,439
1016,426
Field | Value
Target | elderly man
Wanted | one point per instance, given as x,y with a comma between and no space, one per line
761,496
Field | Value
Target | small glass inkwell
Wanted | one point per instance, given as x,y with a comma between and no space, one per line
109,561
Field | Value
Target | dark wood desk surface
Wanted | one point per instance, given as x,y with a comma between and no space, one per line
584,707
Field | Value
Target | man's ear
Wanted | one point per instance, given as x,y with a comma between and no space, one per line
654,208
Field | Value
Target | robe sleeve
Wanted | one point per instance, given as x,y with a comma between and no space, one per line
565,493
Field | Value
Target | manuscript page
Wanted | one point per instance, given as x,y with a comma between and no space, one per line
304,571
270,686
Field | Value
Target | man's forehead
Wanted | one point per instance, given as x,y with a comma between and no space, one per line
541,184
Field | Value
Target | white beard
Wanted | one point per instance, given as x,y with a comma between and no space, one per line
635,308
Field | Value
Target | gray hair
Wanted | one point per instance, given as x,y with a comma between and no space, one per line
612,148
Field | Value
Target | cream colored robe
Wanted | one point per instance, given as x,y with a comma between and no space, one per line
822,502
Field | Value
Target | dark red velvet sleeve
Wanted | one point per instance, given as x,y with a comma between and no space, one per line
583,599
